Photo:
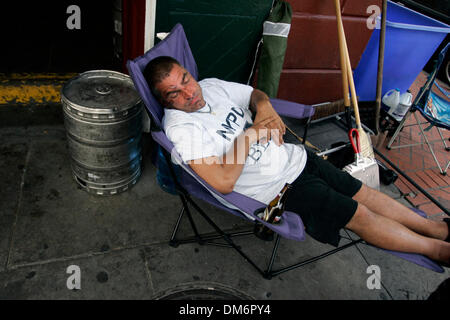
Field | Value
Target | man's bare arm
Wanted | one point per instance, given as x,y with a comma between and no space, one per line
222,173
263,109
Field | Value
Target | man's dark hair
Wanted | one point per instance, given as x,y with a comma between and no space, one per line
156,71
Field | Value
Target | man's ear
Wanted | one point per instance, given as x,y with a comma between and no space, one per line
165,104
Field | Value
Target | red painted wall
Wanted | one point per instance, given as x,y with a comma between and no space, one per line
311,72
133,23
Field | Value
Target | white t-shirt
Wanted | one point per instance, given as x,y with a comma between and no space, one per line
211,131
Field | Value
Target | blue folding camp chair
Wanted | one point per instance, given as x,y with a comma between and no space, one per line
433,103
188,183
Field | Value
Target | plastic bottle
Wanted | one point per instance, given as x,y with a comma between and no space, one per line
403,106
391,99
164,176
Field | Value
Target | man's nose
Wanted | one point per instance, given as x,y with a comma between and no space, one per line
188,92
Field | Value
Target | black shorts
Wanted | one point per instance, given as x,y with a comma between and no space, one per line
322,196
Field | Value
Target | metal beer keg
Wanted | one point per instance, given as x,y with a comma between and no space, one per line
103,121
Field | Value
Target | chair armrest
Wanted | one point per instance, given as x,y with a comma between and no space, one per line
292,109
290,227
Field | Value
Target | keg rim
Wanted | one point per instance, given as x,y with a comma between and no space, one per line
108,190
118,109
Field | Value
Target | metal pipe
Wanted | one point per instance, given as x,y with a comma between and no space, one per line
380,65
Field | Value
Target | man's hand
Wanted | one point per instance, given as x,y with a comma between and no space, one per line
260,131
260,104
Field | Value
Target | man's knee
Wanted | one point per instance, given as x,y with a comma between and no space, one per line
364,194
362,218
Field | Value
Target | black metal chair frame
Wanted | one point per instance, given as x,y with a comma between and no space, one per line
207,239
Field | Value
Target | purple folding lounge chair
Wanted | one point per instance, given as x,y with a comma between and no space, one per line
188,183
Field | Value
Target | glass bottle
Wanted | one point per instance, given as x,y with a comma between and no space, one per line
272,214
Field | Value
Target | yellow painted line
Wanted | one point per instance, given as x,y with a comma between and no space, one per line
36,76
30,93
32,88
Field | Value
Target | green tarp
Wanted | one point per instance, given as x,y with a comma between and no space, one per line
275,36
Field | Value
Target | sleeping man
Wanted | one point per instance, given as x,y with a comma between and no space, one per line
210,124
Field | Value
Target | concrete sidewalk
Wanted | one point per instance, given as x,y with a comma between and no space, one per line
120,243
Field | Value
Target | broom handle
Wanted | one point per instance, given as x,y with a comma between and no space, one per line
342,56
352,85
343,68
301,140
348,66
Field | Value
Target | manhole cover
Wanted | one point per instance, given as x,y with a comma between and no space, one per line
202,291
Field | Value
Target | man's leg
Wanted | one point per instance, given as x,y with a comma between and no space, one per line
382,204
392,235
376,201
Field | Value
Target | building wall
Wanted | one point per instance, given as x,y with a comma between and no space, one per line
36,37
223,37
311,72
222,34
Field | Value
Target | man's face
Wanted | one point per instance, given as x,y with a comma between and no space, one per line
180,90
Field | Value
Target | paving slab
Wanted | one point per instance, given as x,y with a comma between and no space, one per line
115,275
404,280
340,276
391,191
57,218
47,226
12,166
